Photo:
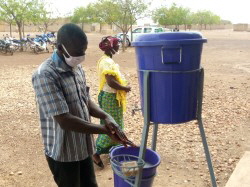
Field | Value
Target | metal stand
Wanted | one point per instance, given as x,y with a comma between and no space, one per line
146,114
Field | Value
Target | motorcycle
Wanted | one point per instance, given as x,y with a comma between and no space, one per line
120,37
6,47
39,44
51,40
20,44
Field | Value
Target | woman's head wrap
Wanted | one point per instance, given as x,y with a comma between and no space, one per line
108,43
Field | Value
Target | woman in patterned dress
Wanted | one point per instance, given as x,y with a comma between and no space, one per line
112,93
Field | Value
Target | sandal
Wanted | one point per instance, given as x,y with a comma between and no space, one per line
99,164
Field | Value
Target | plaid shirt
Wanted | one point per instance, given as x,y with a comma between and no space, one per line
61,89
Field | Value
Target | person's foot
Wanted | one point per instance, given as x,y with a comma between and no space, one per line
97,160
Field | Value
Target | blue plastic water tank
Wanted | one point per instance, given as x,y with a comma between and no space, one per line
173,60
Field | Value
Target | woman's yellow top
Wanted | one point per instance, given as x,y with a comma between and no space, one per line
106,66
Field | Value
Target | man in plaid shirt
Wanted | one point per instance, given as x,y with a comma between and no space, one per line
65,108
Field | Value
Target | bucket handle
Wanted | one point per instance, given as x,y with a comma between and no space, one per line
163,51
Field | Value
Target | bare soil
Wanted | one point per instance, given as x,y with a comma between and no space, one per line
226,60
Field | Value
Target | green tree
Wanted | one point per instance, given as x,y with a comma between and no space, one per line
185,16
205,18
160,16
137,10
122,13
84,15
225,22
19,10
190,20
43,15
175,15
7,19
200,18
94,11
214,19
172,16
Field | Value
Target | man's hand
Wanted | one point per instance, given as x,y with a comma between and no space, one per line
116,133
124,141
110,124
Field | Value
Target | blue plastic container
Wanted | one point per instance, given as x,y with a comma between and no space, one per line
152,160
173,60
145,182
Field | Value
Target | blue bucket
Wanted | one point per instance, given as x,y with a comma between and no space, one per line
173,60
152,160
120,182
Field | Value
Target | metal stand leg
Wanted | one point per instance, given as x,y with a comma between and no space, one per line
154,138
209,162
202,132
146,114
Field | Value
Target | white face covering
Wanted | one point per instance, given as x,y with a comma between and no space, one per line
71,60
114,51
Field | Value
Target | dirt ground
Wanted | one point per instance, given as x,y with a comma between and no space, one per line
226,60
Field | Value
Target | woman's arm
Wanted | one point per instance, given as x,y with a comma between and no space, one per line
113,83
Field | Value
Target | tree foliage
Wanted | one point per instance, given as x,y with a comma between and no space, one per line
44,15
7,19
225,22
122,13
206,18
20,11
175,15
84,15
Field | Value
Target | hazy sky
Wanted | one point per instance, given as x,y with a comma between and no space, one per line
237,11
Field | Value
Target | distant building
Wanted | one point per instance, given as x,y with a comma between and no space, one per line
54,25
240,27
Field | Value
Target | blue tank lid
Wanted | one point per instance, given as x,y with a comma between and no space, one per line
169,38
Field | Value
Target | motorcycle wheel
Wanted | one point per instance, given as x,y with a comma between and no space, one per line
16,47
36,50
127,42
11,52
5,50
25,47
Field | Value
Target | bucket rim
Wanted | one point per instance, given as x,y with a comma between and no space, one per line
147,149
169,42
